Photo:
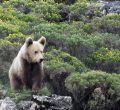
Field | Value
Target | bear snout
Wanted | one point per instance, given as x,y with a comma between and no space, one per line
41,60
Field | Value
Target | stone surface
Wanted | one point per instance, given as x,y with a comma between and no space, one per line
54,102
110,7
7,104
24,105
106,7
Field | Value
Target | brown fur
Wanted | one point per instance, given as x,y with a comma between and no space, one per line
32,75
25,73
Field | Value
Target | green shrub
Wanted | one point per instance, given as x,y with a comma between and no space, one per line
47,11
66,1
18,38
77,11
88,28
10,16
109,23
58,60
105,54
8,52
79,5
62,32
94,90
105,59
71,38
57,66
7,43
6,29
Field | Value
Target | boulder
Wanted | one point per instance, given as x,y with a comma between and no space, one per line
53,102
110,7
24,105
7,104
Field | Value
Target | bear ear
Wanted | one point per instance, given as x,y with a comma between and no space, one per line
29,41
42,41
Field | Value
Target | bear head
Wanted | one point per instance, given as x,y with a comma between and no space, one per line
34,49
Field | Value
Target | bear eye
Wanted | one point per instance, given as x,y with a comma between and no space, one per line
36,52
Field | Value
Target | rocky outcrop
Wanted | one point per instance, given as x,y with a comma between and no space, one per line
108,6
24,105
53,102
7,104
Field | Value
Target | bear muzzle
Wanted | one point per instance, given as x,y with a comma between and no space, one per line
41,60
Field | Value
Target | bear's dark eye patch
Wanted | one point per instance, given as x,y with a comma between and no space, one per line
36,52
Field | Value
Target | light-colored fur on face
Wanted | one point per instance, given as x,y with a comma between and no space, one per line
32,51
35,50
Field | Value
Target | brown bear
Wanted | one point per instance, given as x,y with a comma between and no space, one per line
26,70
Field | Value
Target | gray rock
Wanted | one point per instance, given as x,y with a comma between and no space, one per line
110,7
1,101
24,105
34,106
106,6
54,102
8,104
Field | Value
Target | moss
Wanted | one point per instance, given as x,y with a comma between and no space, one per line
26,94
45,91
18,96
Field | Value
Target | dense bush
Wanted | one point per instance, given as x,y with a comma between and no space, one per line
56,60
109,23
47,11
58,65
104,54
7,53
78,11
41,9
72,38
94,90
106,60
6,29
65,1
18,38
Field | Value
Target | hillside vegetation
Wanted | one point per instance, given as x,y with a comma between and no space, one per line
82,55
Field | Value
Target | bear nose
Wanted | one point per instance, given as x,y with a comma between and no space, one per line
41,60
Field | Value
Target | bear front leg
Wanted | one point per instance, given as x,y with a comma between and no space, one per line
36,85
15,83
